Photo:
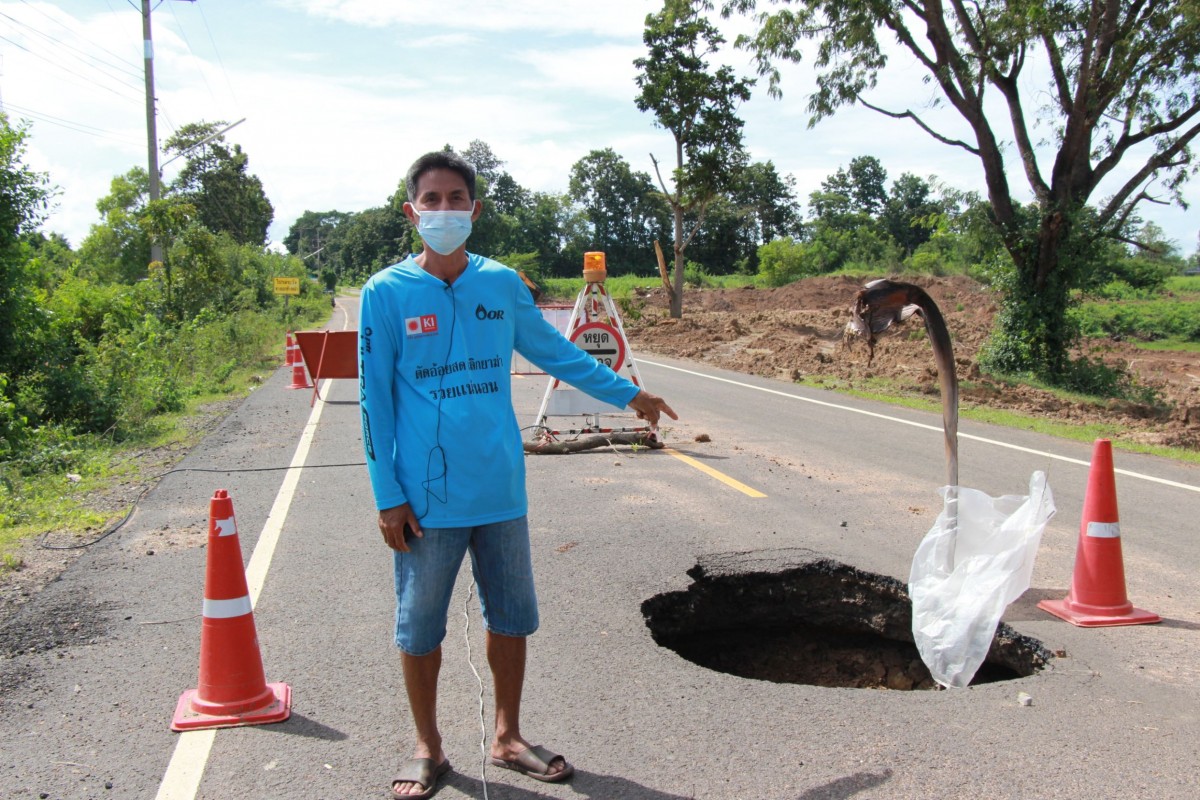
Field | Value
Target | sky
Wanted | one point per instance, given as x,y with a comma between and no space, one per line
338,97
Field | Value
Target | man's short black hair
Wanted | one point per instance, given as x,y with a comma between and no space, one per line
439,159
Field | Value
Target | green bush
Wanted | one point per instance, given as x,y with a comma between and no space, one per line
695,274
1095,378
1144,320
1140,273
783,260
14,427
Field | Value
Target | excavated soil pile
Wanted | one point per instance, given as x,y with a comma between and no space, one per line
796,331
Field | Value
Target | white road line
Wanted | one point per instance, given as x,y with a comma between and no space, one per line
181,781
1068,459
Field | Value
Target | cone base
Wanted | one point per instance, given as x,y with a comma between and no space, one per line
1063,610
279,709
299,382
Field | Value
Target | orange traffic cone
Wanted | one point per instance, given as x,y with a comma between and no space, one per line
1097,596
232,690
299,373
291,349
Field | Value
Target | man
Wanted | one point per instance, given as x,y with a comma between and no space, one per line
445,456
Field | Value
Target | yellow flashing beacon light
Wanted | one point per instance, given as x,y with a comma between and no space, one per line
594,270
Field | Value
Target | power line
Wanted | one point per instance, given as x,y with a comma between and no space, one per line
122,59
78,127
64,69
191,50
220,60
120,66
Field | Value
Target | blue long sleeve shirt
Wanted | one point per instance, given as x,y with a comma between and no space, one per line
438,424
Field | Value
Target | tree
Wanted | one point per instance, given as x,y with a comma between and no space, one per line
867,179
1125,85
215,179
316,237
760,206
723,243
23,199
373,239
117,250
909,215
557,231
502,192
625,212
770,201
479,155
698,107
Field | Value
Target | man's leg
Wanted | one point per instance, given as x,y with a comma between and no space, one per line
424,579
506,657
420,682
503,570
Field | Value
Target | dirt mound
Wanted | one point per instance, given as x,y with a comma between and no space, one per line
796,331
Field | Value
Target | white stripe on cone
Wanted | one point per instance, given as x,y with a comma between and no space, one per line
1104,530
227,609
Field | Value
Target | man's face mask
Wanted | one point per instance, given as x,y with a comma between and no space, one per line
444,231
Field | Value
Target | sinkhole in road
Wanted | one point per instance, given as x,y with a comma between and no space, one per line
796,617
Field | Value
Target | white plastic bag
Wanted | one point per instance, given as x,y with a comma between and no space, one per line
966,571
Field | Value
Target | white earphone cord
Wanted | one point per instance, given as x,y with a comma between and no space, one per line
482,725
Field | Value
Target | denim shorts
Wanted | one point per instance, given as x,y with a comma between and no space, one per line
425,577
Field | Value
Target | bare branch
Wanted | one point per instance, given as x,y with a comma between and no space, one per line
1061,83
1127,211
910,115
699,221
634,438
661,182
1163,160
1127,140
968,27
1016,113
902,33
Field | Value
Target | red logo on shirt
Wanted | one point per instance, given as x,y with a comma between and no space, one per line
422,325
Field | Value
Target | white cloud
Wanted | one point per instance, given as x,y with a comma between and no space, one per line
604,73
561,17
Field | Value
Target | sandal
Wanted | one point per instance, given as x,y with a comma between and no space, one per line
536,763
422,772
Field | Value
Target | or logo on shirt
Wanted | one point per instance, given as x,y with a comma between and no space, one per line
424,325
482,313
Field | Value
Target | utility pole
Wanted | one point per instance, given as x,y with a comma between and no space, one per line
156,253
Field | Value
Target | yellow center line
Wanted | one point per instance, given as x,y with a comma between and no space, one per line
721,476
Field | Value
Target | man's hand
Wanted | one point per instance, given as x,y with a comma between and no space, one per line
393,521
649,406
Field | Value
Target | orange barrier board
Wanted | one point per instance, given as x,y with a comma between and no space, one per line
329,354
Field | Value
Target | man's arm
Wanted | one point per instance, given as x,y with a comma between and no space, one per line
542,344
376,367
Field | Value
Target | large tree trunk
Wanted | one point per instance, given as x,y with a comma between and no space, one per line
677,213
677,294
1034,333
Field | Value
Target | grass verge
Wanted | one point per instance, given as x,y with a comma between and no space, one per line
885,391
102,479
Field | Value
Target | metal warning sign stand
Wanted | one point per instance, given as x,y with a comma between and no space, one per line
595,327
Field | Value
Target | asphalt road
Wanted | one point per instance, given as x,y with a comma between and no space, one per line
857,481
